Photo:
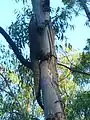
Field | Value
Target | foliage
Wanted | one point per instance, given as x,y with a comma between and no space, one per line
17,98
60,22
80,107
21,38
67,87
75,97
84,65
24,1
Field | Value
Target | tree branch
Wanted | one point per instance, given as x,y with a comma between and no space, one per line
74,70
10,93
15,49
83,3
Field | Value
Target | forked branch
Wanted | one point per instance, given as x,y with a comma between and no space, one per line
74,70
15,49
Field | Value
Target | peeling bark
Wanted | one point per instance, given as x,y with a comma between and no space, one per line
48,73
52,104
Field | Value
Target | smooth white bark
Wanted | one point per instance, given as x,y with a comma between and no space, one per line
41,16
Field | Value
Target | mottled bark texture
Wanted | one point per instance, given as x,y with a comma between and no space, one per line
45,72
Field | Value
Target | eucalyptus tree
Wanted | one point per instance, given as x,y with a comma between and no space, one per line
42,60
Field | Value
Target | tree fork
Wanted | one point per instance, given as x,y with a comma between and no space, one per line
15,49
48,74
25,62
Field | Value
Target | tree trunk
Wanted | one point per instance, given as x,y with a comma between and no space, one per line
53,108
